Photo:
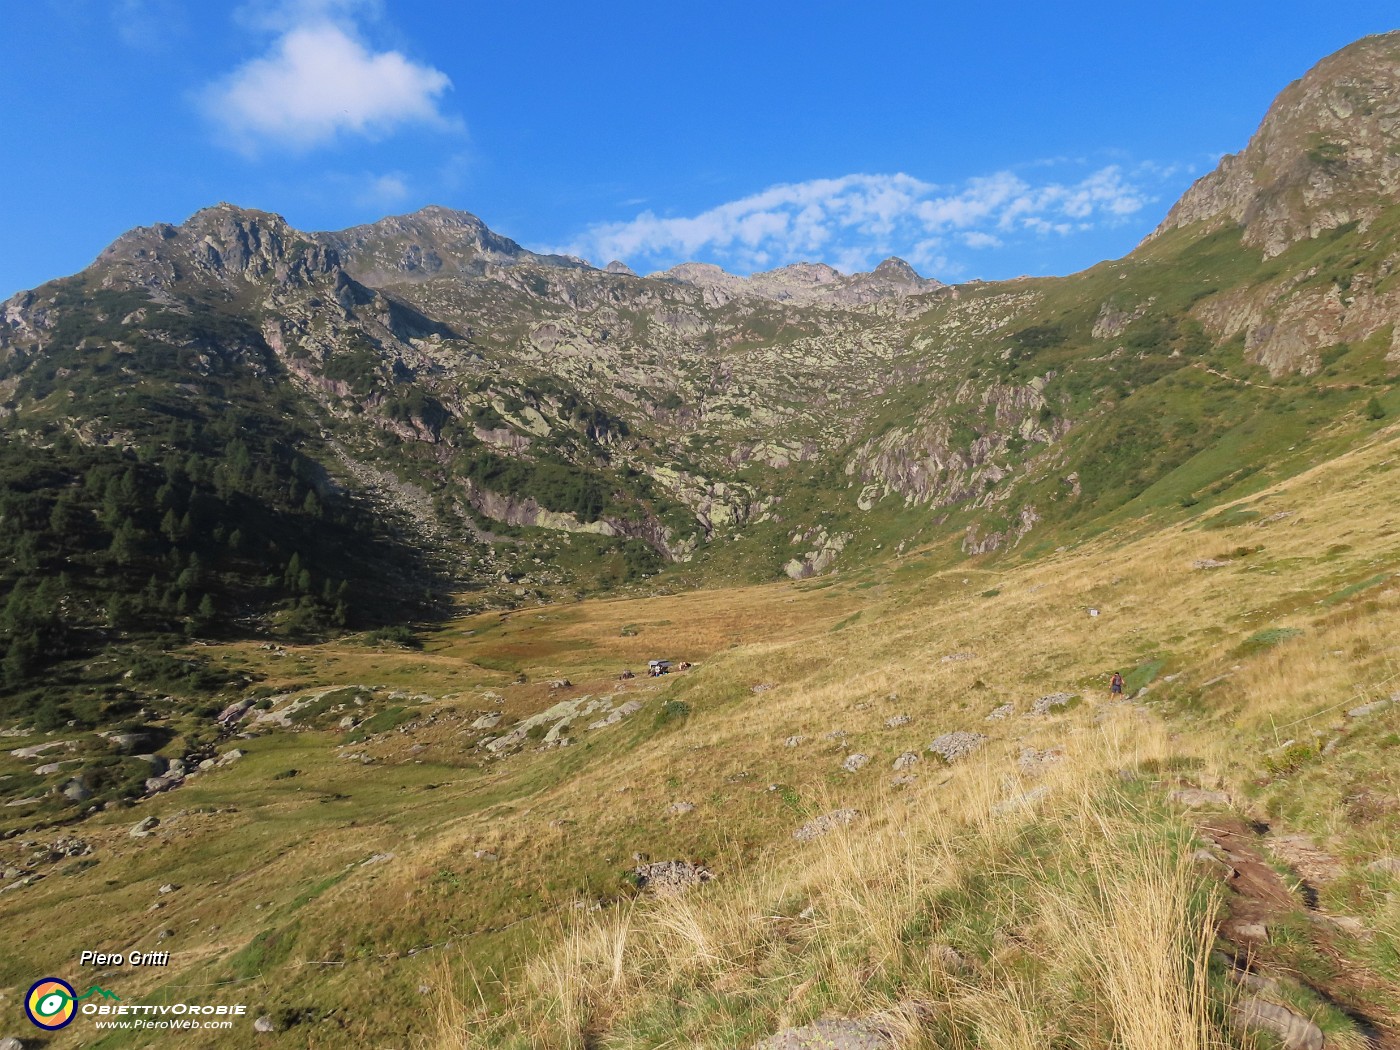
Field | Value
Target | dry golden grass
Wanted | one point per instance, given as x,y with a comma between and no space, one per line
1117,931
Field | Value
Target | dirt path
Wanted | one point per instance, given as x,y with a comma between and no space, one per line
1258,896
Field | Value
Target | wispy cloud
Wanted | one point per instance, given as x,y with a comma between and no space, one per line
855,220
320,80
385,190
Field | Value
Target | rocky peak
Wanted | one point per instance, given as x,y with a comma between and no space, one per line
223,243
429,242
806,283
897,268
1324,155
802,274
620,267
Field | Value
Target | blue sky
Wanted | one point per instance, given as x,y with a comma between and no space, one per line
973,140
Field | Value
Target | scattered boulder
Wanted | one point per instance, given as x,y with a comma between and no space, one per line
76,791
956,745
1208,563
264,1024
486,854
1385,866
819,826
1348,924
159,763
667,878
953,658
906,760
488,721
1255,932
42,749
1371,708
558,717
144,828
763,687
855,763
11,1043
230,757
28,880
839,1034
793,741
896,721
626,710
1292,1029
1211,861
680,809
1004,711
128,743
555,733
169,887
1047,704
155,785
236,710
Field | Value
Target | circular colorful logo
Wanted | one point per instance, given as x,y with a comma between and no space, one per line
51,1003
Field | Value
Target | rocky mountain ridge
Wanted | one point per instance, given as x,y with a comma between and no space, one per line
1323,157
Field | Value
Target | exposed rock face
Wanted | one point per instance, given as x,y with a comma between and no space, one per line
224,243
1323,156
839,1034
821,558
956,745
1293,1030
1047,705
668,878
429,243
827,822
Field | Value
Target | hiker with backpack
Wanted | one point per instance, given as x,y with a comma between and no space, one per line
1115,686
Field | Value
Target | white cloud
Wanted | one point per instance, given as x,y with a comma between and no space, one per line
979,239
320,81
855,220
385,190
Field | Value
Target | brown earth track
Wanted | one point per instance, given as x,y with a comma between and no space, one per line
1259,894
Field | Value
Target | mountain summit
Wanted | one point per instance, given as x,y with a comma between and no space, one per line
807,283
1324,156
